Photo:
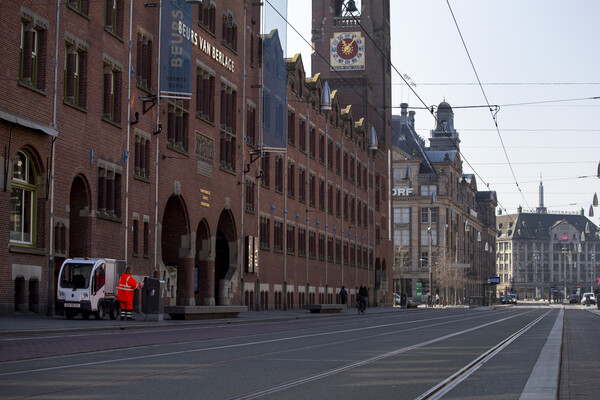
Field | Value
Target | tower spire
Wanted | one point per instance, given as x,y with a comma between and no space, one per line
541,209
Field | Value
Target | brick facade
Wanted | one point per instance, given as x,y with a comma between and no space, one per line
179,172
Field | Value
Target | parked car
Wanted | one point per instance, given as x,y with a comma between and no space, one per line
585,296
574,298
511,299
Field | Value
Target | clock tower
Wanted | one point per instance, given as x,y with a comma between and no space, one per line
351,39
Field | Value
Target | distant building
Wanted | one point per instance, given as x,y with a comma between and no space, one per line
439,215
540,254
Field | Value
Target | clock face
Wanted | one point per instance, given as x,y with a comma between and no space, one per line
347,51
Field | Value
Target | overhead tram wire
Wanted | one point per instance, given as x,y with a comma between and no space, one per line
488,103
430,109
371,106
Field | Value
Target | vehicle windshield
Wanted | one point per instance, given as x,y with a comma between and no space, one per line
76,276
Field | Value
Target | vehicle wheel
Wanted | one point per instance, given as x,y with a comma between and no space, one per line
114,311
100,313
70,314
85,314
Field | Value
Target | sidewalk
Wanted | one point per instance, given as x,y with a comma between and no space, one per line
35,324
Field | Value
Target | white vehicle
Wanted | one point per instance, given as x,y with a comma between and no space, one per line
89,286
585,296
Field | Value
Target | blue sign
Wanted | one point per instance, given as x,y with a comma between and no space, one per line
176,49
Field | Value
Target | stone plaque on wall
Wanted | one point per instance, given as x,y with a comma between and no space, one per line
205,155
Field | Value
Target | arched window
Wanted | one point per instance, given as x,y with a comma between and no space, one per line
22,200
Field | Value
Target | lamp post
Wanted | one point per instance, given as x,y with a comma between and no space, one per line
429,255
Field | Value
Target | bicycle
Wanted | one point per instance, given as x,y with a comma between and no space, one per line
360,305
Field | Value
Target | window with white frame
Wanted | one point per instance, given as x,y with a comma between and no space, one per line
23,197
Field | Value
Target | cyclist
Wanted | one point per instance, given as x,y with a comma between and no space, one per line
361,299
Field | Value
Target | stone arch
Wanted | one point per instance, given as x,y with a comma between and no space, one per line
177,251
225,258
205,263
80,218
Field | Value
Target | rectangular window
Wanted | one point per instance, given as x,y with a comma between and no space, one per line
377,191
312,195
302,135
278,235
291,239
302,185
228,108
425,237
428,190
312,244
134,238
265,233
291,127
32,71
111,101
113,17
249,196
330,198
291,179
402,215
266,169
301,241
207,16
146,237
81,6
330,252
321,194
142,155
178,120
75,73
229,32
402,237
144,61
312,141
321,246
22,200
322,148
279,173
330,154
205,94
251,125
109,191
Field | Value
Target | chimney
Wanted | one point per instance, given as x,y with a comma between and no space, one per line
403,110
411,119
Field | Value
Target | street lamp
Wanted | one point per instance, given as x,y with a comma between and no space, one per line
429,255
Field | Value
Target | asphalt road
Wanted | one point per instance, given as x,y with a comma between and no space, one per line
476,355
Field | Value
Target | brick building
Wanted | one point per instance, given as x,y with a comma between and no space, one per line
96,163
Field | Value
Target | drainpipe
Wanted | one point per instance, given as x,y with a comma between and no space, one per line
50,309
126,156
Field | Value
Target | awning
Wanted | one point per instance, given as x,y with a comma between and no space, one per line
27,123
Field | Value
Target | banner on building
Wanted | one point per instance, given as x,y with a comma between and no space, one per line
176,49
274,79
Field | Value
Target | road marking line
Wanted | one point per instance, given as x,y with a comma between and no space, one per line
442,388
321,375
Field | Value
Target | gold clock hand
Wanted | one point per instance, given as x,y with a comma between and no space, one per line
348,47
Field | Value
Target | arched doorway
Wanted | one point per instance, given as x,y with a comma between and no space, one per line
79,219
175,249
225,258
204,266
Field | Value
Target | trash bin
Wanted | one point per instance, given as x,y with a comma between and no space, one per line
152,299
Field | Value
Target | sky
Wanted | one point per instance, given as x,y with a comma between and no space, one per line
539,60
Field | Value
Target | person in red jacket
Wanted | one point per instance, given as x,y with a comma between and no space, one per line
127,284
